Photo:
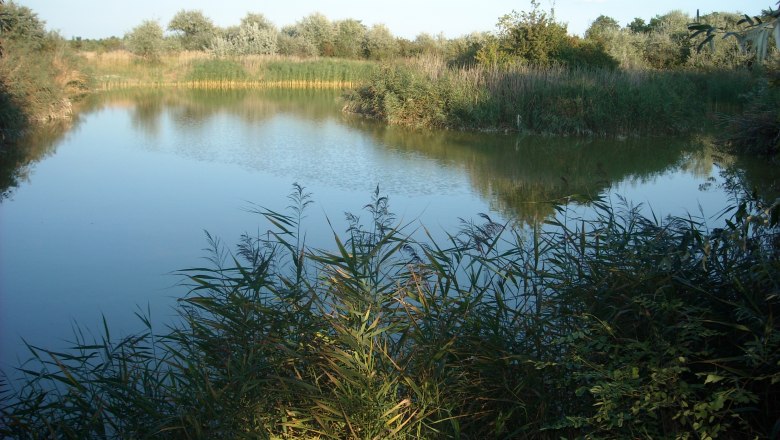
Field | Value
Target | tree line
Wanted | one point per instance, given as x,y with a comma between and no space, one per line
527,37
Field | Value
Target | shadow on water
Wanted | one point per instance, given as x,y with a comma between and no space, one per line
522,175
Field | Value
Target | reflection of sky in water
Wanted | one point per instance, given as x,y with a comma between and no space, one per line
318,153
121,204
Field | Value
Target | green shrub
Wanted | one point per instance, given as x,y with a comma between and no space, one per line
38,73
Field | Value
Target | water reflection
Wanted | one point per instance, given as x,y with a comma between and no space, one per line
522,174
518,175
19,159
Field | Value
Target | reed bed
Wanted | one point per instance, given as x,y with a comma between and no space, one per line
231,85
619,326
552,100
116,70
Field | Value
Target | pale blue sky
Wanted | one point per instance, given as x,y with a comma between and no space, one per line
405,18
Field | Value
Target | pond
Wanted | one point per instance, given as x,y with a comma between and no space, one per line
104,211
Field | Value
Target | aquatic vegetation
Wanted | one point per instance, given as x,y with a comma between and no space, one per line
117,70
618,326
425,92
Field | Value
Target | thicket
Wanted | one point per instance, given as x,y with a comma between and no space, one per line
619,326
38,73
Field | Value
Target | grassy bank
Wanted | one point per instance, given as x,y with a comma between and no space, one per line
616,327
120,69
426,93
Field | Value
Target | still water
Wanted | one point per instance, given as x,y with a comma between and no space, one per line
104,210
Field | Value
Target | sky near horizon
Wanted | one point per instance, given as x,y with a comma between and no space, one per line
404,18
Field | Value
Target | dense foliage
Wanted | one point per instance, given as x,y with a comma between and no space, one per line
37,72
614,327
146,40
525,37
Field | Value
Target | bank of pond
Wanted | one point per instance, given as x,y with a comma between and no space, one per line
426,92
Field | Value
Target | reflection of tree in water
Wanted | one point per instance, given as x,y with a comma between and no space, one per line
519,175
188,106
147,108
17,160
756,176
522,175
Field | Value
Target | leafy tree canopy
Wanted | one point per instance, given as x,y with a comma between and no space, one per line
146,40
20,23
195,29
258,20
532,36
639,26
600,26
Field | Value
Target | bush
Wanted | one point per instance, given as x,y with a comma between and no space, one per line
146,40
38,73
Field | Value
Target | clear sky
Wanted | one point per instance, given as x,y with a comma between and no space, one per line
405,18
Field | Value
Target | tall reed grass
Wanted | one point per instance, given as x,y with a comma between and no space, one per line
426,92
120,69
615,327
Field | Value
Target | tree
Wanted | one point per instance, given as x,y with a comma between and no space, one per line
349,38
255,36
21,24
258,20
291,42
248,39
462,51
380,44
532,36
667,44
638,26
586,53
317,31
195,29
146,40
600,27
